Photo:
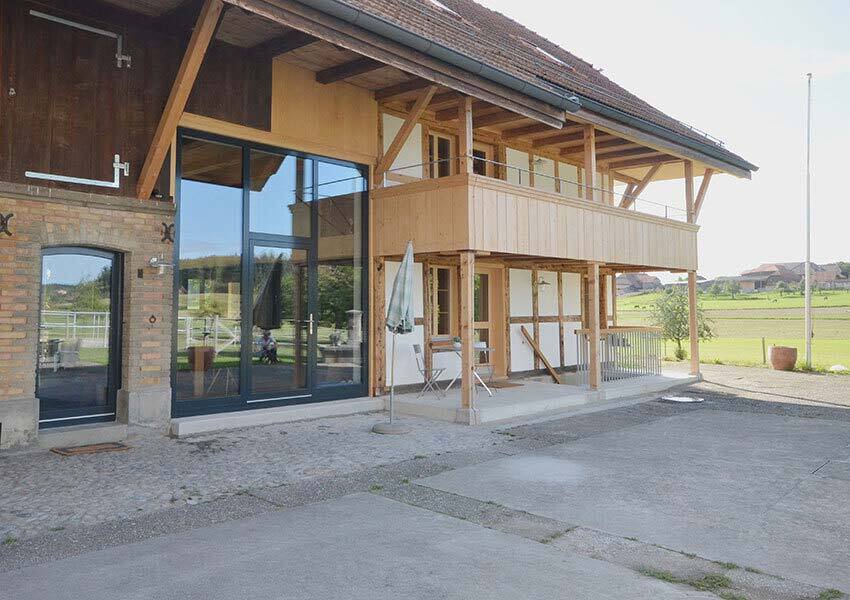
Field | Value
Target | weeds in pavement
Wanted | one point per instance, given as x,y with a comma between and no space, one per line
9,540
830,594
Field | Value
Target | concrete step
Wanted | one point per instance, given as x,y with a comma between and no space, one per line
185,426
82,435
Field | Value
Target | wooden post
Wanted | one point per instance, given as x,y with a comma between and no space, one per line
689,190
407,127
593,325
464,109
428,313
693,330
202,35
613,299
589,161
535,311
467,299
379,317
610,188
562,350
507,311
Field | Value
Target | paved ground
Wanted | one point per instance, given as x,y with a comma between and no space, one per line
774,386
736,498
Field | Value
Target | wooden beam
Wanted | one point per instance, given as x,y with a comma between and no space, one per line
427,313
703,188
593,325
464,116
535,310
629,198
450,114
613,298
498,118
531,129
589,161
689,190
445,100
693,331
406,128
507,314
353,68
202,35
612,155
566,135
643,162
561,347
605,144
539,356
379,329
467,331
288,42
391,92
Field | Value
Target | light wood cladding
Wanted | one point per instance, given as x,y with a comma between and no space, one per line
339,118
471,212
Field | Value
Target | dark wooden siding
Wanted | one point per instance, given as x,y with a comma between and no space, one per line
73,109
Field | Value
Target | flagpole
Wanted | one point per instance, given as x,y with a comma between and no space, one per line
808,283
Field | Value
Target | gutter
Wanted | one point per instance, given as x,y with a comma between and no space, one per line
383,27
570,103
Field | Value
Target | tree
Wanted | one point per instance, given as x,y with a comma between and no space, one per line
733,288
670,312
782,288
845,268
716,289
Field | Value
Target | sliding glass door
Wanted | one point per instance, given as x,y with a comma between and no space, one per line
270,277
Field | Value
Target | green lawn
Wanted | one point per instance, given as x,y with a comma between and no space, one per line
740,324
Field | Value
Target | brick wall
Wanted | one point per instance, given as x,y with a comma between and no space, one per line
43,218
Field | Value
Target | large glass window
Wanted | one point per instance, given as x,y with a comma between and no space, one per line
270,277
209,271
281,191
340,309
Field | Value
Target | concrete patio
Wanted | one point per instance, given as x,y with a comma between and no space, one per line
534,396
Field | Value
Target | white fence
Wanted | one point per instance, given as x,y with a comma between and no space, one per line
214,331
92,328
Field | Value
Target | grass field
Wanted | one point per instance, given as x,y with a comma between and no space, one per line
740,323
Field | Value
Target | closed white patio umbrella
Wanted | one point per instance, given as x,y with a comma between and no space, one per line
399,321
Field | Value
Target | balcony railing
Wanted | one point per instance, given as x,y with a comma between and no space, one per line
624,353
525,177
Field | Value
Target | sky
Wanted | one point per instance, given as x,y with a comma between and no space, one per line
736,70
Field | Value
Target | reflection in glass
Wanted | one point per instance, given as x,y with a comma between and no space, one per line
74,337
280,326
340,275
481,302
209,271
281,191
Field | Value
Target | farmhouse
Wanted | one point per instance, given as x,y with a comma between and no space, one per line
204,203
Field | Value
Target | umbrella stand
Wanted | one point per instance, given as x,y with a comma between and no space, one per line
391,427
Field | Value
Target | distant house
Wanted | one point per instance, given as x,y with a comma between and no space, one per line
630,283
768,276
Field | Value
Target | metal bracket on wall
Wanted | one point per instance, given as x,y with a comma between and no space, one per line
121,59
117,165
4,223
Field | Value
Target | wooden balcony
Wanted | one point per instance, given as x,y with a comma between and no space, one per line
473,212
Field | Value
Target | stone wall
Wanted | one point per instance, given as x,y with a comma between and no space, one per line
51,217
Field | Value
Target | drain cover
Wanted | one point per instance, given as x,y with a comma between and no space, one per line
682,399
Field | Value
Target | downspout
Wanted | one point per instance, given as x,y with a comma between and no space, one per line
384,28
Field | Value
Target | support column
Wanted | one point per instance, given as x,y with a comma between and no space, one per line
465,135
589,161
593,326
692,322
467,412
613,298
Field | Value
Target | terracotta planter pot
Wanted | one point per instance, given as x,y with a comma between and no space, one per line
200,357
783,358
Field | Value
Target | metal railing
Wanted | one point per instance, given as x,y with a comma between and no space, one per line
527,177
624,353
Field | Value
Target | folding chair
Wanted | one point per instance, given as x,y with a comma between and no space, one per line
429,376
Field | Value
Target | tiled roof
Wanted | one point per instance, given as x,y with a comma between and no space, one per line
496,40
